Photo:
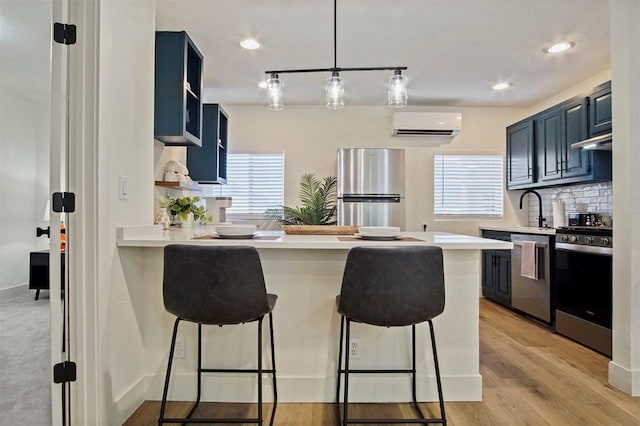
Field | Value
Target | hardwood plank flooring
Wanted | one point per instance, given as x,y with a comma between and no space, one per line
530,377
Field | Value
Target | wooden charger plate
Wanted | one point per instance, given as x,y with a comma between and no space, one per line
319,229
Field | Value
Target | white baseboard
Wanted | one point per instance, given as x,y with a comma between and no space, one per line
7,293
628,381
129,402
364,388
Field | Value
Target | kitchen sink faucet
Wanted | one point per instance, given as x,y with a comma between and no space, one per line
540,219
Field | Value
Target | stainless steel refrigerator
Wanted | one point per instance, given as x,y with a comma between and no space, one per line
371,187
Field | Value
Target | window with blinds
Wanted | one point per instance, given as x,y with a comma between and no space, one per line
255,182
468,185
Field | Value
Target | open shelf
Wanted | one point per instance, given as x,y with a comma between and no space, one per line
179,185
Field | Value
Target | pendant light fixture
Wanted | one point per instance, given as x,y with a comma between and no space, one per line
275,101
397,90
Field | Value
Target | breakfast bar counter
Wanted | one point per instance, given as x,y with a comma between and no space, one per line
305,271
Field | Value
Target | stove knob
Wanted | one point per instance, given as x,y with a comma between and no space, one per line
589,240
606,242
574,239
565,238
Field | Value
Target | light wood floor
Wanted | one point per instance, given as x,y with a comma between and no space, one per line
530,377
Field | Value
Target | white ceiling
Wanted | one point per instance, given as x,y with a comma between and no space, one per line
455,49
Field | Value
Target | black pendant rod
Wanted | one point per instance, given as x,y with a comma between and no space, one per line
335,57
335,37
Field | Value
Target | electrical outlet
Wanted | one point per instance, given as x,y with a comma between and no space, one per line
354,348
180,350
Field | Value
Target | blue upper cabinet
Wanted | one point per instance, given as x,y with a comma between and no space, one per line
600,110
178,90
539,152
208,163
520,154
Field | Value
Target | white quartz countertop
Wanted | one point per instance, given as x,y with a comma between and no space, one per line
520,229
154,236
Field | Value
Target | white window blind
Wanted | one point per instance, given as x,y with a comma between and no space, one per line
255,182
467,185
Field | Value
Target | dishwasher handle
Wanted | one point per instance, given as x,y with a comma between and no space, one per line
538,245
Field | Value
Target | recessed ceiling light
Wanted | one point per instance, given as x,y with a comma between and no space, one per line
500,86
250,44
262,85
560,47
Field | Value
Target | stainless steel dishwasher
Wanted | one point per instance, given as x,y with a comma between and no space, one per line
527,295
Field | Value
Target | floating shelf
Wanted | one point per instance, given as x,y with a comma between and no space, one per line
179,185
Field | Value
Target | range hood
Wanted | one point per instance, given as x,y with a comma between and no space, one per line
602,142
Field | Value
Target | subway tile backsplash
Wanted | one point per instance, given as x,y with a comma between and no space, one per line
592,197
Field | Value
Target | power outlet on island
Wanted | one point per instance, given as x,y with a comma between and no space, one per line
180,351
354,348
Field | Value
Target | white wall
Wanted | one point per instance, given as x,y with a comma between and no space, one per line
624,368
24,136
310,136
125,148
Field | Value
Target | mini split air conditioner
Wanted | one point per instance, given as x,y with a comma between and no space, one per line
441,125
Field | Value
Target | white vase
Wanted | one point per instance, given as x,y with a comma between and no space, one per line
188,223
162,218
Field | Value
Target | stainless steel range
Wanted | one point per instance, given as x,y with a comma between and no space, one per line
583,280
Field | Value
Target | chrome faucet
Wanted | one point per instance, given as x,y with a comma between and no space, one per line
540,219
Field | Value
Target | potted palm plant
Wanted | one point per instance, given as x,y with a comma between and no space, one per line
317,212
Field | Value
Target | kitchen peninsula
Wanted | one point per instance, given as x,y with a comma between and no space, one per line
305,271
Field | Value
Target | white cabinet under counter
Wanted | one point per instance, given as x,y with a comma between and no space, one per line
305,271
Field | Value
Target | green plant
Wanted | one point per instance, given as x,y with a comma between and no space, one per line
182,206
318,198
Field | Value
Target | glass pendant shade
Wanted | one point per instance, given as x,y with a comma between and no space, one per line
335,91
275,101
397,96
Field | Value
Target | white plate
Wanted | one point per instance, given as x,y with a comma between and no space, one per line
379,230
377,237
240,230
236,236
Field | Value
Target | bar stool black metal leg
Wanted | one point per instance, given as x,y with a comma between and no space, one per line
273,366
260,370
437,367
339,366
199,384
165,392
346,378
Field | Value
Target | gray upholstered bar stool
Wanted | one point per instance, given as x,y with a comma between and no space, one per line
390,287
217,286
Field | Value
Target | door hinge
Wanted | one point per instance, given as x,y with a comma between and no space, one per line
64,202
64,33
64,372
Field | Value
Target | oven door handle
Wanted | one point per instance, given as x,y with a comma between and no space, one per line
607,251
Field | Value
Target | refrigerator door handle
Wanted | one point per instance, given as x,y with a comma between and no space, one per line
369,199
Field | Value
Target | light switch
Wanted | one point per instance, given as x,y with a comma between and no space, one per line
124,187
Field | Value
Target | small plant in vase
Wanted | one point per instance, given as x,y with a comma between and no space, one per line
187,210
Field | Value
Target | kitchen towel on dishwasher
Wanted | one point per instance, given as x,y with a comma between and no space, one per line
529,262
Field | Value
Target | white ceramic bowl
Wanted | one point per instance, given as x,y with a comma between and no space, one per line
379,230
235,229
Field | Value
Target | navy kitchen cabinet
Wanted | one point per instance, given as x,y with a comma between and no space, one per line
555,129
178,90
496,270
520,154
208,163
600,110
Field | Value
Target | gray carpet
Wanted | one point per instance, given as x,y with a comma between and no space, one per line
25,371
